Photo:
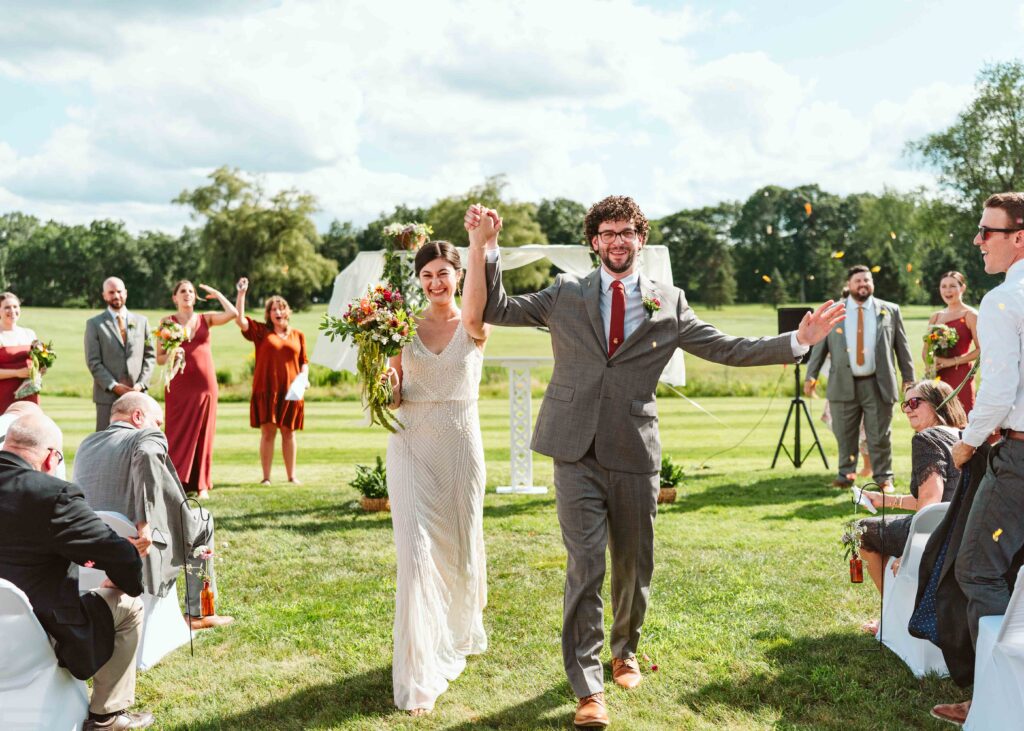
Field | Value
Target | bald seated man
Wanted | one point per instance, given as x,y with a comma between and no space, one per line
24,408
47,530
118,351
125,468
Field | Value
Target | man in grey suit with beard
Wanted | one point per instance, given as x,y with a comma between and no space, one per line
118,351
612,333
862,378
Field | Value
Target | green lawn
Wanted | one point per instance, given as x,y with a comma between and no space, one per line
753,621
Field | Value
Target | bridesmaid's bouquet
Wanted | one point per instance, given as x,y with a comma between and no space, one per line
380,325
938,339
41,356
172,335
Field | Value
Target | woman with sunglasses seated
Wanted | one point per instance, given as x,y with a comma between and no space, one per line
936,418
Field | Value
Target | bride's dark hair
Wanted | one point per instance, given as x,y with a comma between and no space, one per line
437,250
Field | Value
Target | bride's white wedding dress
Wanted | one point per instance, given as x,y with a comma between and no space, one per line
435,468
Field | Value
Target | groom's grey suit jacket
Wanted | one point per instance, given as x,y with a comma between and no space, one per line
609,402
111,362
890,340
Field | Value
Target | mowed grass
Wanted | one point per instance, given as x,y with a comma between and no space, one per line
752,621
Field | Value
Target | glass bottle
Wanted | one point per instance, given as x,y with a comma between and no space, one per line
206,600
856,570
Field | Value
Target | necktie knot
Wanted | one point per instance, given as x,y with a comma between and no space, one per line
617,285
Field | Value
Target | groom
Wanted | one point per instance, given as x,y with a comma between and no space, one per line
612,333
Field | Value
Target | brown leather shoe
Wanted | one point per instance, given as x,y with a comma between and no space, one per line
955,713
214,620
120,722
626,673
591,712
840,482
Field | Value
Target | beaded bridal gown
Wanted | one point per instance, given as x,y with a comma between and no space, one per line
435,469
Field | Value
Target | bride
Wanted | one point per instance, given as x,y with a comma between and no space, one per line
436,479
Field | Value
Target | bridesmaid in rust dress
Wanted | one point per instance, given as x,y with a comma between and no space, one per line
953,367
280,360
190,400
15,342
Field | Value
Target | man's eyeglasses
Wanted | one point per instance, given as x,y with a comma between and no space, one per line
628,236
913,402
984,231
60,455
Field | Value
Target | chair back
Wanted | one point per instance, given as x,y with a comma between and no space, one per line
1012,630
89,579
24,645
925,521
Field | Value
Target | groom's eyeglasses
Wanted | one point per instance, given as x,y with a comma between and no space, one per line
984,231
912,403
628,236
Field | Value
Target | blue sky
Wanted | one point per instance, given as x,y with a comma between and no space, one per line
111,110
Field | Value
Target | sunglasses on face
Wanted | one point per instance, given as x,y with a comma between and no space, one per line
912,403
984,231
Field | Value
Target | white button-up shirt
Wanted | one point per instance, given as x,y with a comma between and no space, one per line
1000,400
870,334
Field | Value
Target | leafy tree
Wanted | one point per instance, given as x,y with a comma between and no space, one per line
718,283
561,220
271,240
777,292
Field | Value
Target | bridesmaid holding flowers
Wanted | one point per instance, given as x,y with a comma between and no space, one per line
190,397
15,344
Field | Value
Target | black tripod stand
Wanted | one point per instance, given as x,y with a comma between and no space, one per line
796,406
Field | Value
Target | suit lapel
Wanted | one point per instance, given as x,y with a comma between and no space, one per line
592,299
647,289
112,327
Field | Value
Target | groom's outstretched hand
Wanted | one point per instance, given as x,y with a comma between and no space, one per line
816,325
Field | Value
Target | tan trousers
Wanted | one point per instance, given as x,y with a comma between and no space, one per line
113,685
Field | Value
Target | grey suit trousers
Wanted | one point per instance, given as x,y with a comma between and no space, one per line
877,414
102,416
599,508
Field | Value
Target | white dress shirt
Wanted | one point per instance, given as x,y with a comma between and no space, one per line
1000,400
870,335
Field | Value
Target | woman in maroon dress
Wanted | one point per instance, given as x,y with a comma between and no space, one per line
952,367
282,371
15,342
190,399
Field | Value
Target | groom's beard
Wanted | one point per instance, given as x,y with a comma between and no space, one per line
625,266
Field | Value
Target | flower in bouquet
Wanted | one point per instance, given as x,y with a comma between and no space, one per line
380,324
41,356
938,339
171,335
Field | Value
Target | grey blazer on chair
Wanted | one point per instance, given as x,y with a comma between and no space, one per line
609,402
111,362
891,348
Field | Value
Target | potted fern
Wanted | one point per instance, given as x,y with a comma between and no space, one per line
671,476
372,484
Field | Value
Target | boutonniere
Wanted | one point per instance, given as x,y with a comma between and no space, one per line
131,325
651,304
883,312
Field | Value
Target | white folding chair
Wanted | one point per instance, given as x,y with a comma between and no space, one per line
36,694
921,656
163,625
998,701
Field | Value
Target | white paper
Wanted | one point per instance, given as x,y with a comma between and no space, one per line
298,388
860,499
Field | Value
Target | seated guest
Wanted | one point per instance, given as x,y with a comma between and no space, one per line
46,528
936,420
23,408
125,468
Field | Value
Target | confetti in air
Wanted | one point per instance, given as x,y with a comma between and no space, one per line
995,536
766,278
808,208
838,254
876,269
892,235
910,268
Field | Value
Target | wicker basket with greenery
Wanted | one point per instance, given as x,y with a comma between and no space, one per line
372,484
671,476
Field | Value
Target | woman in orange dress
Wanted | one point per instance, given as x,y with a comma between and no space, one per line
190,399
953,367
280,360
15,343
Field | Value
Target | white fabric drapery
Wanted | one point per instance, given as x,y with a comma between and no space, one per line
368,268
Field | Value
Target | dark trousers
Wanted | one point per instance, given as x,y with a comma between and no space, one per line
993,535
599,508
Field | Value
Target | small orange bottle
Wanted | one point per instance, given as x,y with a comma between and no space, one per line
856,572
206,600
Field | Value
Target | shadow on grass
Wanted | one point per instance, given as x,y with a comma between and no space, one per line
835,682
341,516
529,714
519,506
773,491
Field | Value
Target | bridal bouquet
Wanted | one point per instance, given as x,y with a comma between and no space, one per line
172,335
380,325
938,339
42,357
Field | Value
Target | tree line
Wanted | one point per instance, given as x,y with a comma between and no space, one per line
779,245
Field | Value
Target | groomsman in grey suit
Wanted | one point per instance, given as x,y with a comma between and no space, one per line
118,351
612,333
862,378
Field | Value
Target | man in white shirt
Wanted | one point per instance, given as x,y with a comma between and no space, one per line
862,378
994,533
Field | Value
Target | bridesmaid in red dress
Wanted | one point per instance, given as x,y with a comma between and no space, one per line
953,367
190,400
15,342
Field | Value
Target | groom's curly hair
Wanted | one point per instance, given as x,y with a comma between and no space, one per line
614,208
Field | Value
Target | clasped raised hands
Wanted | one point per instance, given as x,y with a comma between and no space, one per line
483,225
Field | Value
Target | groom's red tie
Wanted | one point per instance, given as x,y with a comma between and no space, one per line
616,333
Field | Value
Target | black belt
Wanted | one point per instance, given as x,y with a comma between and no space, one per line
861,378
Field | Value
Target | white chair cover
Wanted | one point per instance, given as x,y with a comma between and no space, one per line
921,656
36,694
368,268
163,625
998,701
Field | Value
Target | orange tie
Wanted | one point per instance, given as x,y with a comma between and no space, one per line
120,327
860,335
